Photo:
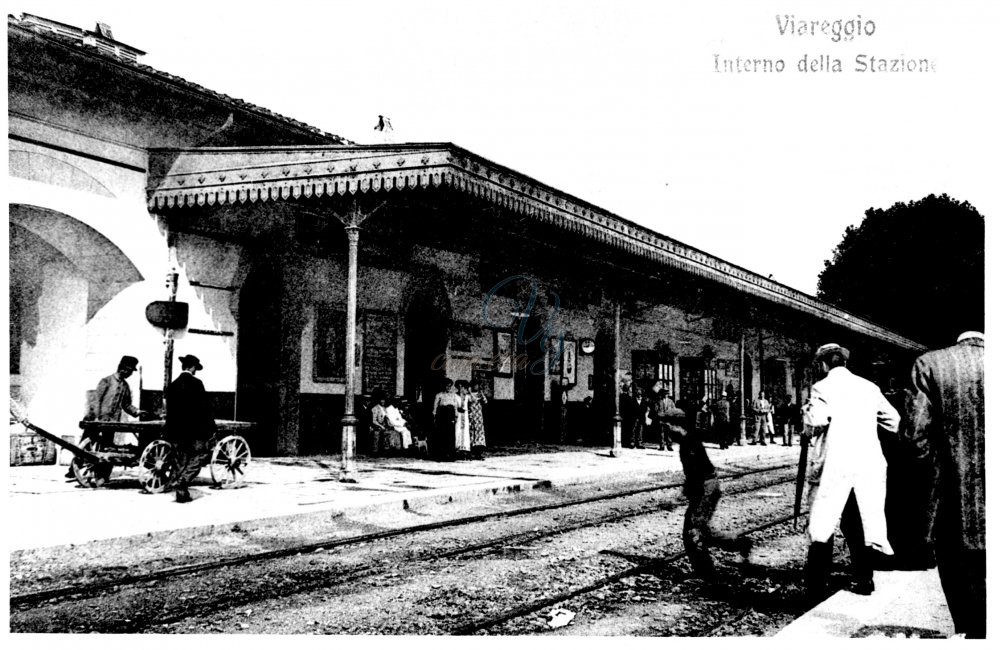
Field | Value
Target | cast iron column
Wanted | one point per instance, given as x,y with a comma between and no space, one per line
352,221
743,388
616,441
760,358
349,423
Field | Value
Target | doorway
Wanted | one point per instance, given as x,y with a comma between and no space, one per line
258,355
529,383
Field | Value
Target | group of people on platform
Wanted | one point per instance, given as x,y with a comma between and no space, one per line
643,417
849,420
783,417
457,429
643,411
390,425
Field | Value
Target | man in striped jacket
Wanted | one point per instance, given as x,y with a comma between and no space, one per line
946,426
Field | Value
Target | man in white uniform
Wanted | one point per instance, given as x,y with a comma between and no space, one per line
847,470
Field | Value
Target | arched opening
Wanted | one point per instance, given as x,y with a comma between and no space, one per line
426,338
97,259
777,382
48,297
604,384
529,382
62,272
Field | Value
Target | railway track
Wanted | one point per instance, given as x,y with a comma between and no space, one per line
718,628
328,579
59,593
645,567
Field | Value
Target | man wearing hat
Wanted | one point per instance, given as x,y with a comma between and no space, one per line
189,425
722,423
847,470
762,409
112,396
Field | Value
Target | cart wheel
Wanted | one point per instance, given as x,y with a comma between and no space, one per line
156,466
230,456
87,473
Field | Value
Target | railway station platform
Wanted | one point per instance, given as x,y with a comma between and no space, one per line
905,604
44,509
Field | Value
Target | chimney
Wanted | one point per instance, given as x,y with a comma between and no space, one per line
100,39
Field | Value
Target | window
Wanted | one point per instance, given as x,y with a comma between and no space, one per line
711,383
329,344
651,366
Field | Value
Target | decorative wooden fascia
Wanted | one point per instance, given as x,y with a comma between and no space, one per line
249,175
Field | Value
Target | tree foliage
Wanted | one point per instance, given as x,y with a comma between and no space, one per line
916,268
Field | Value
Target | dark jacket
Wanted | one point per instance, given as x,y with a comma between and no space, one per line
720,408
189,414
697,467
630,410
946,424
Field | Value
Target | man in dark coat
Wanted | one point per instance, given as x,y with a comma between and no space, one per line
633,411
190,425
946,425
722,422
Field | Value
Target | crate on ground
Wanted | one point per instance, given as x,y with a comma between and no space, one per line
31,449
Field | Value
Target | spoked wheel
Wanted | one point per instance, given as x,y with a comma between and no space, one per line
156,466
87,473
230,457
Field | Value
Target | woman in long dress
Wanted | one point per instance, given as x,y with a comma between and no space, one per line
445,414
462,440
477,431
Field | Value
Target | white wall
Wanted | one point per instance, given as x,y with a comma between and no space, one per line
92,348
53,381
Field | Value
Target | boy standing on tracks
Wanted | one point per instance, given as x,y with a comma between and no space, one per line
701,487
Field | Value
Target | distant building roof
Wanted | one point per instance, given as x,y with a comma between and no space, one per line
101,43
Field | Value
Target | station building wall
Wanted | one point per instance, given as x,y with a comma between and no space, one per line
83,339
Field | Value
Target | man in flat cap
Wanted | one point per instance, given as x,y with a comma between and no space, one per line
190,425
847,470
112,397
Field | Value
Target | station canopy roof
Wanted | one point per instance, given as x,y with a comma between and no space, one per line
180,178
